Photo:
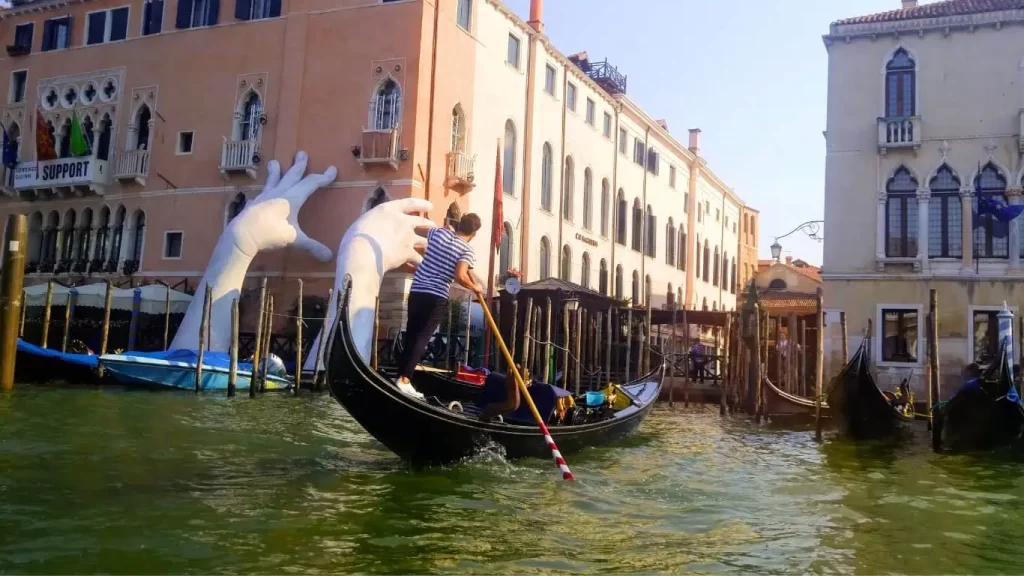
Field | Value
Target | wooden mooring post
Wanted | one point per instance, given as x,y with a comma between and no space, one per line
108,301
24,309
447,340
933,351
203,322
819,361
233,351
254,374
845,341
325,330
629,343
609,317
566,346
672,355
754,370
268,333
298,341
12,297
133,326
47,309
527,334
726,370
69,312
686,360
647,339
167,316
547,342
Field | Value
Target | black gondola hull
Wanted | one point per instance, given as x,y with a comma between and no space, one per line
859,408
981,417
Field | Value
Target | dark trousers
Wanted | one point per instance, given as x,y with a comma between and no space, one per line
425,312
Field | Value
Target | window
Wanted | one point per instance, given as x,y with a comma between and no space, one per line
901,214
23,36
236,206
56,33
991,237
605,203
458,129
185,142
152,17
19,81
257,9
248,123
588,200
138,139
464,16
585,271
569,190
718,215
715,269
670,243
602,277
638,225
621,208
566,272
545,258
508,170
549,79
899,335
636,288
681,250
672,176
639,151
945,215
607,131
386,106
985,335
546,168
707,261
653,161
172,245
197,13
900,89
651,245
570,96
618,282
505,251
513,51
623,141
106,26
591,112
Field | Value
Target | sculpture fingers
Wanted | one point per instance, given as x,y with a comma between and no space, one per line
420,221
273,175
301,192
294,174
318,250
410,205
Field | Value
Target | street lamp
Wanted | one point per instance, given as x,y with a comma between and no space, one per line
810,228
572,304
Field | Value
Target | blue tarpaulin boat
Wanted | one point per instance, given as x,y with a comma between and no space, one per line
177,369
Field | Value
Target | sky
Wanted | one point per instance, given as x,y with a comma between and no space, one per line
751,74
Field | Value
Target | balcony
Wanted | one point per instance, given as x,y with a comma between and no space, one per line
380,147
459,175
899,132
240,156
133,165
15,50
60,178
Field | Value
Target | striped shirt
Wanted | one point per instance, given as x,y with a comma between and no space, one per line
444,251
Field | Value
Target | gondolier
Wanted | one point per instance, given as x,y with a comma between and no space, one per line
448,257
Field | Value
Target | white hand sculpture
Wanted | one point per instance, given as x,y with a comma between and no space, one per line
381,240
269,221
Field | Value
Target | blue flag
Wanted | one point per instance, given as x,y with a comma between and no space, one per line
992,205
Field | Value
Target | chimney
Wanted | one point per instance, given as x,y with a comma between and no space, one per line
663,123
695,141
537,15
908,4
789,260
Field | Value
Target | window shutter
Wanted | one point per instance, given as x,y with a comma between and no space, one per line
70,32
184,18
48,35
156,16
214,13
243,8
275,8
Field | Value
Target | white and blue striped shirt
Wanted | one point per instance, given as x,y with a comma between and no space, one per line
444,251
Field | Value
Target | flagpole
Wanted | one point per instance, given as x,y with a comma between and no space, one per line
491,252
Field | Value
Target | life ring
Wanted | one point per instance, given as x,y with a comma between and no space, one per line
455,406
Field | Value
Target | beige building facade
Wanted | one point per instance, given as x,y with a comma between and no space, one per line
925,114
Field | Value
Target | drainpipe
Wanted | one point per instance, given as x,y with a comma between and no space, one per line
691,222
614,200
430,119
531,69
644,222
561,160
723,267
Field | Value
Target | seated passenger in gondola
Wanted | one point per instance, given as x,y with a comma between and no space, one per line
495,407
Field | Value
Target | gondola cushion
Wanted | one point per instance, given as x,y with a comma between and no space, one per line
544,397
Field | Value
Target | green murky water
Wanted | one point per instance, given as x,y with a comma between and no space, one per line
103,480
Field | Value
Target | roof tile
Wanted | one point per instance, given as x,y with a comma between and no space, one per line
937,10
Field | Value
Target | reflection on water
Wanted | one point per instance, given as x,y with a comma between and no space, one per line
102,480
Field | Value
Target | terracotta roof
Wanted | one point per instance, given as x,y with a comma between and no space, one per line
812,272
937,10
788,301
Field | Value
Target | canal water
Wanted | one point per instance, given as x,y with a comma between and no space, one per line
106,480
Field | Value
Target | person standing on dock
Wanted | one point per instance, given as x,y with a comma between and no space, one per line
448,257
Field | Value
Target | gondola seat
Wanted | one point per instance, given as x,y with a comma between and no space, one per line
545,397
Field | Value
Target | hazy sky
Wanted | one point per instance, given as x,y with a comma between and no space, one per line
751,74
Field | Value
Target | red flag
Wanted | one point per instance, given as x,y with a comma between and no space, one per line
498,221
45,149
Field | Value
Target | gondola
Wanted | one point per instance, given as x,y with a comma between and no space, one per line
38,365
860,409
428,432
985,413
444,384
783,405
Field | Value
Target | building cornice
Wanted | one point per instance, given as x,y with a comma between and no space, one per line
920,26
39,6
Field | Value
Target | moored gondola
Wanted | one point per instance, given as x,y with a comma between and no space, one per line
860,409
429,432
783,405
985,413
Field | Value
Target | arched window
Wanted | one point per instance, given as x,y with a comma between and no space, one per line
546,168
618,282
505,253
704,306
67,249
651,245
103,146
670,296
605,203
35,238
707,261
117,235
602,278
679,298
458,129
139,225
715,270
452,215
545,258
647,289
670,242
621,217
50,237
378,197
102,235
901,214
777,284
636,288
696,275
89,132
139,137
386,106
569,191
566,272
725,269
508,169
681,251
64,146
945,216
585,271
900,85
732,276
83,244
638,225
991,237
236,206
249,117
588,200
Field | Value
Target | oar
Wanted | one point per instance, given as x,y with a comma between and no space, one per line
566,473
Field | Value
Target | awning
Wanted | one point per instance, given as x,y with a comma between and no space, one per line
153,297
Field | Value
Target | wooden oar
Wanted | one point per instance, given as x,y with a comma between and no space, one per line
566,473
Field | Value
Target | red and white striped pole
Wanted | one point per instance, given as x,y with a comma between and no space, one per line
559,461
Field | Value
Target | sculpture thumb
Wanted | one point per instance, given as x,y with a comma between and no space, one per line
318,250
